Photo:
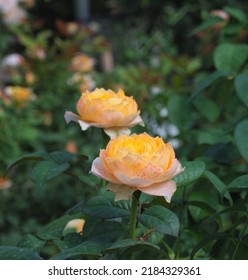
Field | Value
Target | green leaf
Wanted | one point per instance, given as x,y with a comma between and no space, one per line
161,219
237,14
32,242
193,171
64,156
241,136
179,111
107,232
231,29
199,209
207,108
69,240
130,243
34,156
207,82
106,208
218,184
55,229
47,170
61,156
213,237
239,183
241,87
87,248
206,24
16,253
213,136
230,57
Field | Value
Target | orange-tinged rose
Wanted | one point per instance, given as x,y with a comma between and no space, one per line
82,63
114,112
138,162
19,94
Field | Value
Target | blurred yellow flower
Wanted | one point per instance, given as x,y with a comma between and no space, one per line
114,112
82,63
138,162
19,94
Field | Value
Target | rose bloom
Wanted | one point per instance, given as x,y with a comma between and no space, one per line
75,225
82,63
19,94
138,162
114,112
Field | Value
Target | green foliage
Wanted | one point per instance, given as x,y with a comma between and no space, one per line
193,171
104,207
15,253
241,134
160,219
84,249
187,69
230,57
241,84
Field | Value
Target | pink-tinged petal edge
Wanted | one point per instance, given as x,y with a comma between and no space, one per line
137,120
100,171
122,192
69,116
165,189
115,132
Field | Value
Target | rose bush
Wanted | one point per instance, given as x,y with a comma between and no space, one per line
114,112
138,162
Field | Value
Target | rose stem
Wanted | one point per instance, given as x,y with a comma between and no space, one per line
133,221
105,140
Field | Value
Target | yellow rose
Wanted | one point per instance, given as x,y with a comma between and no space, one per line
114,112
19,94
82,63
138,162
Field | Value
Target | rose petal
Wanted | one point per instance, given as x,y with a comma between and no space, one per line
84,125
115,132
100,171
69,116
151,171
165,189
137,120
122,192
174,170
134,182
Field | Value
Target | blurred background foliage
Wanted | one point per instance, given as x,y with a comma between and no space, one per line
186,64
